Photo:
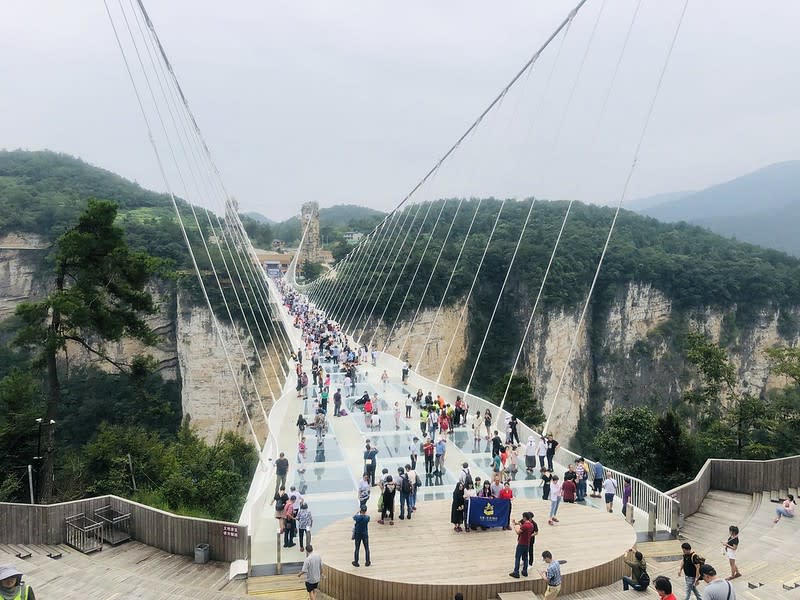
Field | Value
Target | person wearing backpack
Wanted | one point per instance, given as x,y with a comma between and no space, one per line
639,579
689,567
465,477
406,489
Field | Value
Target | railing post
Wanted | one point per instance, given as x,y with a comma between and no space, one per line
278,553
675,519
652,510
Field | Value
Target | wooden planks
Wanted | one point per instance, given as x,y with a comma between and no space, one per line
425,559
45,524
741,476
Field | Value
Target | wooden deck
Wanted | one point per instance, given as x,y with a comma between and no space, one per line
425,559
130,570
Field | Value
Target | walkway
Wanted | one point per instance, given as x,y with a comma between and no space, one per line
131,570
334,466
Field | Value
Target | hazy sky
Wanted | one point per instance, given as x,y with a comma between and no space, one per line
352,102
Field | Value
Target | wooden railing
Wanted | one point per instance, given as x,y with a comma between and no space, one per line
46,524
745,476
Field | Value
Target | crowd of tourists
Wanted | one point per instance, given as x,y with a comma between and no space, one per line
329,352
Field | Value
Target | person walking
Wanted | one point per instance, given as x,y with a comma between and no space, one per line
312,569
663,588
304,522
597,479
397,416
409,404
552,575
388,493
413,452
370,455
524,531
406,487
363,490
626,497
609,490
689,567
281,470
384,380
555,500
786,510
533,537
716,588
513,437
361,535
441,449
639,579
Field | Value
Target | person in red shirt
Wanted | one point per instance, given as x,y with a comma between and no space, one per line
568,490
506,493
524,531
664,588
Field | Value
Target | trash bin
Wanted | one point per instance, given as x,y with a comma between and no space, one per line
202,553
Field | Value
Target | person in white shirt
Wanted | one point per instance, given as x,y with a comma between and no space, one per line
609,490
541,451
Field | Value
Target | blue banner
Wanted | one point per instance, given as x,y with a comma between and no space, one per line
488,512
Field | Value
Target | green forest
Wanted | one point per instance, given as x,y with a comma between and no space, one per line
104,415
87,430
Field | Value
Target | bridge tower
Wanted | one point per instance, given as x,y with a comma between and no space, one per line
309,221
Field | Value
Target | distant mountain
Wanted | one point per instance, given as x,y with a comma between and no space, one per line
641,205
762,207
258,217
342,214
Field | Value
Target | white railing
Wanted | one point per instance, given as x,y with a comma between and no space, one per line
644,496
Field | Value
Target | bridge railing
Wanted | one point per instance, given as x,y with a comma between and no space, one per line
644,496
260,491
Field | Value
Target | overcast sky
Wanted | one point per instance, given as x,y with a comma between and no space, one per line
353,102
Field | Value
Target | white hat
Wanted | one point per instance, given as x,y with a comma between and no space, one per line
7,571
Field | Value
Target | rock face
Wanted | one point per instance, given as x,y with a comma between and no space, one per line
189,348
630,359
435,344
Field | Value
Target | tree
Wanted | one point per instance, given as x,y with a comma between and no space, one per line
628,441
311,270
786,362
735,423
519,400
98,294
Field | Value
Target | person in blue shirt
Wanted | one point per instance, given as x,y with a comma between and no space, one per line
441,447
552,575
598,471
361,534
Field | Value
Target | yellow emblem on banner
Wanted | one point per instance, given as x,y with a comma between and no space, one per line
488,510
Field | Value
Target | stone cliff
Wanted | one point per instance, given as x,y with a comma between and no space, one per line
189,347
630,358
633,356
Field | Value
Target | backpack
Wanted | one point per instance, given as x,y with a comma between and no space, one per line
644,579
697,559
467,478
405,484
